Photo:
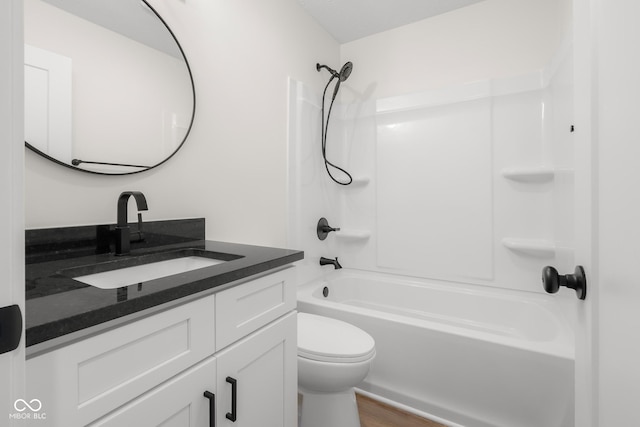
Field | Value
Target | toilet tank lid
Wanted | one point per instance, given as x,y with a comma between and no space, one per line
327,339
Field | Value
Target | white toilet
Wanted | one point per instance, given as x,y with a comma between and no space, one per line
333,357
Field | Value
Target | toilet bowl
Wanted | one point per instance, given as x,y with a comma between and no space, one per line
333,357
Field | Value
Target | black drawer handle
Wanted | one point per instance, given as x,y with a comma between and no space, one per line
234,394
212,408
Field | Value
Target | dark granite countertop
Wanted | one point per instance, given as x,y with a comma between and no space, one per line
60,309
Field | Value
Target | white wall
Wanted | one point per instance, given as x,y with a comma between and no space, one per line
232,170
490,39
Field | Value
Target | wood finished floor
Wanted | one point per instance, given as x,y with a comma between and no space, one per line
378,414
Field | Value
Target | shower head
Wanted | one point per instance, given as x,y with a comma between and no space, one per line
345,71
343,75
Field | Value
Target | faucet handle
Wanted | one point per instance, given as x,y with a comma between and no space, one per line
139,235
323,228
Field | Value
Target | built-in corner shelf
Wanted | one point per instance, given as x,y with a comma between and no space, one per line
531,247
353,234
359,181
531,174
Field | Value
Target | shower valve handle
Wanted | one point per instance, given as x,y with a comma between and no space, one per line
323,229
552,281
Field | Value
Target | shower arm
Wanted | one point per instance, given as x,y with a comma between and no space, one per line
334,73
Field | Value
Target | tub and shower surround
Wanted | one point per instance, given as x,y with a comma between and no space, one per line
471,183
469,188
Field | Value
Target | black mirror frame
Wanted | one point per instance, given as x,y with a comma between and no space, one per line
193,92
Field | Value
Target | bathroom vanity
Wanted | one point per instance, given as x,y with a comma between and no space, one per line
214,346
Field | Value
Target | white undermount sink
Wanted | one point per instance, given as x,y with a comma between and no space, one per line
142,273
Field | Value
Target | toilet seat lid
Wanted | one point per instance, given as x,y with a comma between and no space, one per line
330,340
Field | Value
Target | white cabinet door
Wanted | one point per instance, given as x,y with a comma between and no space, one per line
179,402
264,369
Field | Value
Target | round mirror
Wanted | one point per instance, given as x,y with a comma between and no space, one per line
108,89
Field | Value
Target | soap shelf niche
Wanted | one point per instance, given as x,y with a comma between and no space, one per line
532,247
537,174
353,234
359,181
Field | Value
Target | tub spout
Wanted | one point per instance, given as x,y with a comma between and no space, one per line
327,261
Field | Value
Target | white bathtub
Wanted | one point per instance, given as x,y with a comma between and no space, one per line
466,355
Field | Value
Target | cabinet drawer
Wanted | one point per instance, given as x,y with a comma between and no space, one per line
178,402
245,308
97,375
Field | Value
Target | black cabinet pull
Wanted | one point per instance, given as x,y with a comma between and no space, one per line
234,394
10,328
212,408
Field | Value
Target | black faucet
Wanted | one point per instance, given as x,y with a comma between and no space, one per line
123,233
327,261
